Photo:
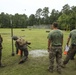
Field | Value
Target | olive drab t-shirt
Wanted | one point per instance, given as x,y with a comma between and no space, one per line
73,36
56,37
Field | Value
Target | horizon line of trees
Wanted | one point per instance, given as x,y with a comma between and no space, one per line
66,18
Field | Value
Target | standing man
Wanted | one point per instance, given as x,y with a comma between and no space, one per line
1,40
72,49
55,42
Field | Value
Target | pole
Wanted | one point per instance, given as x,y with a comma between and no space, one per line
12,36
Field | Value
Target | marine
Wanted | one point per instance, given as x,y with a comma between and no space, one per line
55,42
22,45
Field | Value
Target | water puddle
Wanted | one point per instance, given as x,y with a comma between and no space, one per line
38,53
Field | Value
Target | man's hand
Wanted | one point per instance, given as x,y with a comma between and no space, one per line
68,41
28,43
48,49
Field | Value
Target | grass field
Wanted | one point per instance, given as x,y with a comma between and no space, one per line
34,65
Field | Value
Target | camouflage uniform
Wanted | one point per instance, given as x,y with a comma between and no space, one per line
1,40
72,50
56,38
21,44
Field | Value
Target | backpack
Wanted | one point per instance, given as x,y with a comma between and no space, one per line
21,41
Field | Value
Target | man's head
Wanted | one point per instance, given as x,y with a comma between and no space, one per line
14,37
54,25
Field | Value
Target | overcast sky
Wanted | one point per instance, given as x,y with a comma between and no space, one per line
30,6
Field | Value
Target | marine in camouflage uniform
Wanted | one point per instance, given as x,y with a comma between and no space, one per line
21,44
72,49
1,40
55,42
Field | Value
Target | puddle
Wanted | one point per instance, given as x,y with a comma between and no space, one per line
38,53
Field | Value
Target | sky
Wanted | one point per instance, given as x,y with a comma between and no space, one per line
29,7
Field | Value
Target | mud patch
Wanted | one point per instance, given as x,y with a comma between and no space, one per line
38,53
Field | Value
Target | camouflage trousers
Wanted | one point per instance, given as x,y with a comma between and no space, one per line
55,52
71,53
0,54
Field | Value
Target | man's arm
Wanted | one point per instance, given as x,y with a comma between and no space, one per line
49,42
68,41
62,42
1,40
69,38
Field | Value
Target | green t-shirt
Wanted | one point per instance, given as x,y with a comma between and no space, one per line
72,35
56,37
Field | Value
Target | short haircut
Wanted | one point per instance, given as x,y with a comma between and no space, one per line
55,24
14,37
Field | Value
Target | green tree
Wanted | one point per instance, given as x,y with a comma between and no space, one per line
64,22
45,14
54,16
20,21
72,18
32,20
38,13
65,9
38,16
4,20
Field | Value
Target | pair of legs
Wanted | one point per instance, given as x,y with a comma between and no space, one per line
25,56
55,52
0,56
70,55
23,50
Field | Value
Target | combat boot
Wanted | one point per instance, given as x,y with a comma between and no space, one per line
50,70
59,72
1,66
59,69
23,60
63,65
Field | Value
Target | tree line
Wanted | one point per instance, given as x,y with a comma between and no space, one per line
66,18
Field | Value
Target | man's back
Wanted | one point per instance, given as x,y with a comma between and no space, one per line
56,37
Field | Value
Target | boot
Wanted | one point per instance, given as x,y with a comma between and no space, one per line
50,69
1,65
59,72
22,60
63,65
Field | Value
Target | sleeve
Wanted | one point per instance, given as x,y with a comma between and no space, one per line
49,36
16,44
61,34
1,40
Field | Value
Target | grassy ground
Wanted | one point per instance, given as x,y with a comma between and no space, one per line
34,65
